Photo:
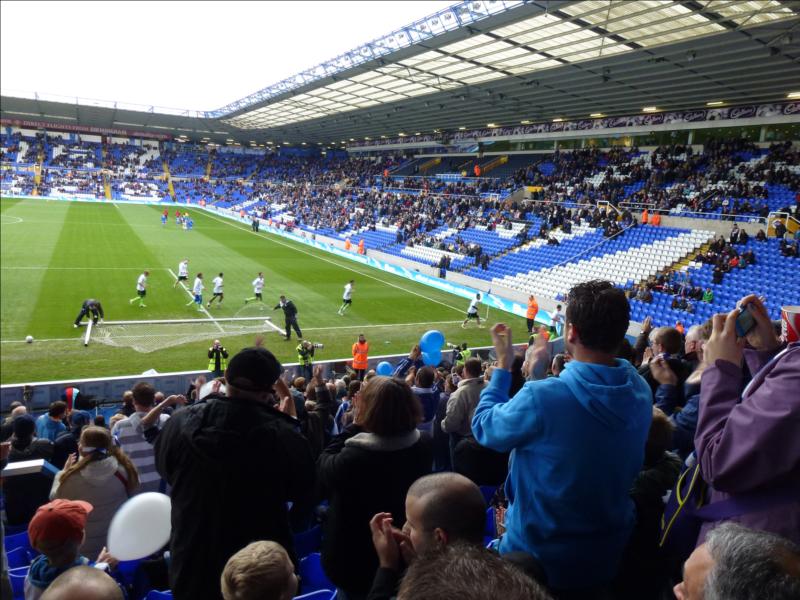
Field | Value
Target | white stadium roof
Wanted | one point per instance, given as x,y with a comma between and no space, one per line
504,62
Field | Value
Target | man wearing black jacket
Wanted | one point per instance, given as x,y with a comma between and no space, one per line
290,315
233,465
90,306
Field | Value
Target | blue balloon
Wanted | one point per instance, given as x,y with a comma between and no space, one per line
431,341
431,359
384,368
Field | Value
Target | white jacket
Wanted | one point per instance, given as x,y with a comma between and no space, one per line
98,484
461,406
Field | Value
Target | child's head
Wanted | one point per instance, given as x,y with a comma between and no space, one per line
57,530
261,570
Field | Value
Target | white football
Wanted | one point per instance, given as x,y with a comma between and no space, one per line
29,339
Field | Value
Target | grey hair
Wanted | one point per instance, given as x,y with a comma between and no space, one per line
695,331
751,565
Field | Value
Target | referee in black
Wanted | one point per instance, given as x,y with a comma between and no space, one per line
290,314
90,306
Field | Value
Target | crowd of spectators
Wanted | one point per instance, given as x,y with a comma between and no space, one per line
400,470
60,182
728,176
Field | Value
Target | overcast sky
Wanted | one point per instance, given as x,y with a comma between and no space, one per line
187,55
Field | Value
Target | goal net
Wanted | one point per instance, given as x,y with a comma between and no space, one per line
149,336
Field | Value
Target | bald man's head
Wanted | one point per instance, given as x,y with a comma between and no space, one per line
444,508
83,583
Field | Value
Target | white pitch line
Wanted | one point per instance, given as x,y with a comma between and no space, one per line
43,268
203,308
373,326
362,326
328,260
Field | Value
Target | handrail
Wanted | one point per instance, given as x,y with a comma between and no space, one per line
688,214
607,203
792,224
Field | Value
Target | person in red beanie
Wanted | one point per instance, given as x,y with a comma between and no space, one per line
57,531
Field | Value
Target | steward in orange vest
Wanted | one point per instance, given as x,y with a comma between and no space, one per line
644,217
533,308
347,244
361,246
656,220
360,360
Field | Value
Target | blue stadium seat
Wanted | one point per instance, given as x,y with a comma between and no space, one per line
318,595
17,577
156,595
18,557
312,577
490,530
488,492
307,542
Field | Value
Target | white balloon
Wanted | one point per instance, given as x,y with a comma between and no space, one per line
140,527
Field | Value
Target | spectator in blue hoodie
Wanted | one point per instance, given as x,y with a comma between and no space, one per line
578,444
51,425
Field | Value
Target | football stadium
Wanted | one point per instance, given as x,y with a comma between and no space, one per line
515,282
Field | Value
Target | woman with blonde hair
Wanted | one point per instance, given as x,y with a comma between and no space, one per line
102,475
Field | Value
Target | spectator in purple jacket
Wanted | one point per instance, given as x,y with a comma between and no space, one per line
747,438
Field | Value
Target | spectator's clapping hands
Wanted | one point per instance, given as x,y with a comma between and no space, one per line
647,356
501,337
71,460
285,401
647,325
176,399
662,372
390,543
383,538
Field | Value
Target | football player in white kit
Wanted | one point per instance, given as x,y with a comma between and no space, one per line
218,290
347,297
183,272
258,286
141,290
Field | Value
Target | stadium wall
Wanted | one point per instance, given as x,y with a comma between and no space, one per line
109,390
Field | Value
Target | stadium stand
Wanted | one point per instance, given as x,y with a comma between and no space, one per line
569,462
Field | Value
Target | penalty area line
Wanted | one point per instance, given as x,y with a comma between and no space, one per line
191,295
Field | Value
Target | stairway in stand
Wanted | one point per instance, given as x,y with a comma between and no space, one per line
37,172
168,179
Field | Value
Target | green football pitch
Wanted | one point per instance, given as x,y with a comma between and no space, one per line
57,254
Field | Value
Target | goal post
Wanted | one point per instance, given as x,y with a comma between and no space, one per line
88,333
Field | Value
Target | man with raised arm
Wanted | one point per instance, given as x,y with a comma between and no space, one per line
578,444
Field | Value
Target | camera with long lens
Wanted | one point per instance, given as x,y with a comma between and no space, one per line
453,346
318,345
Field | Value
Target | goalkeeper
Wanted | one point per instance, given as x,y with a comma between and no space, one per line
90,306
